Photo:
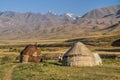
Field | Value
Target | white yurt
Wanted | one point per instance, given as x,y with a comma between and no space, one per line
79,55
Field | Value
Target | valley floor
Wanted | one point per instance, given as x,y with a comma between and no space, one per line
52,70
11,69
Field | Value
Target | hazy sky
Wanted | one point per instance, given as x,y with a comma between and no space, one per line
77,7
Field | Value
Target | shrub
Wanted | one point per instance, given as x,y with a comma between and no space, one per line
18,58
14,50
7,59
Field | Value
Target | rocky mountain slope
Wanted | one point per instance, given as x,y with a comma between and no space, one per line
14,25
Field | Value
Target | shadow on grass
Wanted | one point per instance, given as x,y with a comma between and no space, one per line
55,63
109,50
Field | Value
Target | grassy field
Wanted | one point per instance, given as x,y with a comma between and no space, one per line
52,70
3,69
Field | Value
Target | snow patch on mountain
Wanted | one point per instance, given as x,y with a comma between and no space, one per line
71,15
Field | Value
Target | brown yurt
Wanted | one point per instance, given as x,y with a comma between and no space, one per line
79,55
30,54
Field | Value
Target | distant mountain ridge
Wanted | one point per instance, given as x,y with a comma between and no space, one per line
103,12
14,25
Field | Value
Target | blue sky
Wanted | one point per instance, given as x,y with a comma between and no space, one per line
77,7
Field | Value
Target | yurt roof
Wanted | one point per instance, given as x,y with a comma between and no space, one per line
78,49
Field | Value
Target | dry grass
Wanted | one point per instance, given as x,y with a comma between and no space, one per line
24,42
51,70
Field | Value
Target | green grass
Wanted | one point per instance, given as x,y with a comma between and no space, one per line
3,69
51,70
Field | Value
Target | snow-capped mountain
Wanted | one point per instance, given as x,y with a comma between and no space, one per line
70,15
15,25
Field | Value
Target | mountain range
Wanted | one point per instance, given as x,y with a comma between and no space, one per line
102,21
